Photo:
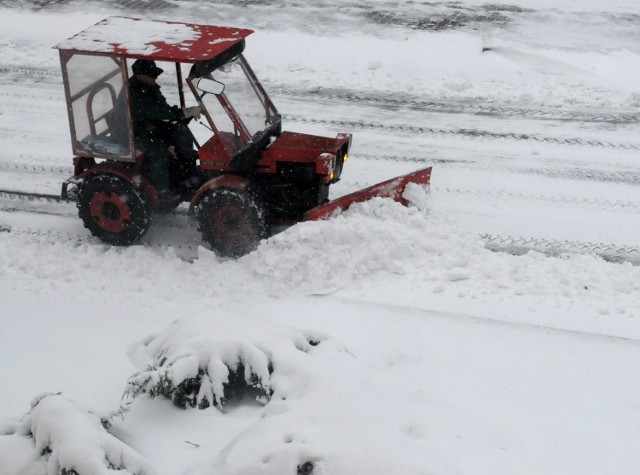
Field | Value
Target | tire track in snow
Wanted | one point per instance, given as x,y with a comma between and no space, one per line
466,133
607,205
40,169
584,174
37,104
460,106
29,98
10,74
554,247
185,252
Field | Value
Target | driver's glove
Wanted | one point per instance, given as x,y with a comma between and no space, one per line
192,112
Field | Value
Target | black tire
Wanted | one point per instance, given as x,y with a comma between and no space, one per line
231,221
113,210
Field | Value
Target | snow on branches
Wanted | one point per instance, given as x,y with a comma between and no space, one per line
207,360
62,438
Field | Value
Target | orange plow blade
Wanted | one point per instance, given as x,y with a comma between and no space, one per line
393,189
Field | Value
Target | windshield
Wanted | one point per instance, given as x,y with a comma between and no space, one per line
245,97
242,115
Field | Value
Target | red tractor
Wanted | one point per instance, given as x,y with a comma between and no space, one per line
252,174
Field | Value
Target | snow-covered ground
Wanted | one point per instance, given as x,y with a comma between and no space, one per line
385,340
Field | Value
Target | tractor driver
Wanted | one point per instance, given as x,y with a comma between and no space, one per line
166,140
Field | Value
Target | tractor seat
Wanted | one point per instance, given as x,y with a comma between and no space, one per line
103,145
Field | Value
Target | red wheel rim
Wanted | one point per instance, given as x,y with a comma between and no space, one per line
110,211
230,225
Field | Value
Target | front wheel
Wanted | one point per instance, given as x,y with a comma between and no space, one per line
113,210
231,221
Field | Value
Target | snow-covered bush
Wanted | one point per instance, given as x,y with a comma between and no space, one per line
207,360
60,437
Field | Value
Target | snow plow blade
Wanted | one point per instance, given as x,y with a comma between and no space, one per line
393,189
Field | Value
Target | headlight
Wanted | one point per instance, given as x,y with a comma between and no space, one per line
341,157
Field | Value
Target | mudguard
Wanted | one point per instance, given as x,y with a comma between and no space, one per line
132,177
234,182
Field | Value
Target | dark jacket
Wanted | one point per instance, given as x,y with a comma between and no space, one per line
149,108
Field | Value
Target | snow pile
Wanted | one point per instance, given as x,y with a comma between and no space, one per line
417,196
380,240
58,436
208,359
372,238
322,398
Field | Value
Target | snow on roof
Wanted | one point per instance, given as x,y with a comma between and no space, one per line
158,40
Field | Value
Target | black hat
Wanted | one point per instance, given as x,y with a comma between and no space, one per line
146,67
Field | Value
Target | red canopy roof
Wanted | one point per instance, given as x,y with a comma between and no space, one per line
157,40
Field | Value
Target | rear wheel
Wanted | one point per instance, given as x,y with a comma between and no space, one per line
231,221
113,210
